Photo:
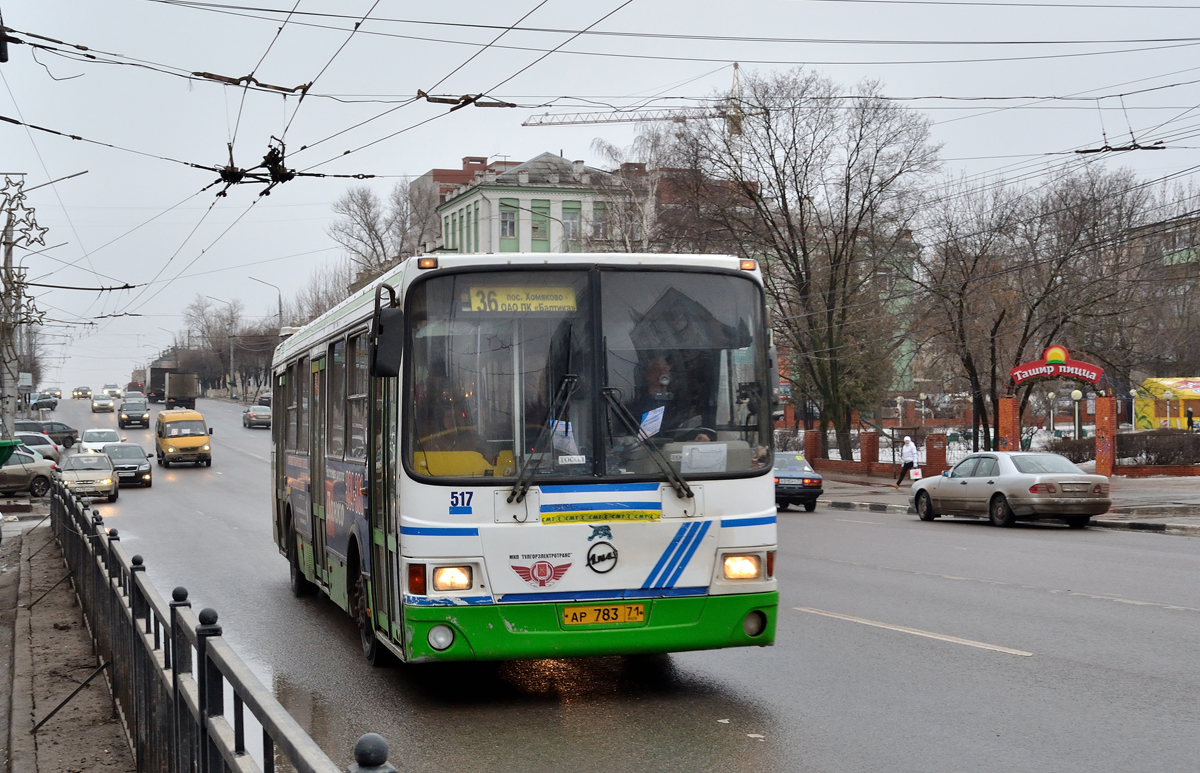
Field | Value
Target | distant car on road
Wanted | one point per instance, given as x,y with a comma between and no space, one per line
256,416
102,403
81,393
44,400
56,391
41,443
264,399
112,390
131,462
90,475
94,440
134,396
1009,486
23,472
60,433
134,412
796,482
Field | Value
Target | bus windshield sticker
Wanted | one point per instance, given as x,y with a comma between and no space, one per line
523,299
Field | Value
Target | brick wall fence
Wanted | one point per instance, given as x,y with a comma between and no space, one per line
868,463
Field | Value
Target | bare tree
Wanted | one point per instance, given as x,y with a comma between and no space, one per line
377,234
826,189
327,286
1008,272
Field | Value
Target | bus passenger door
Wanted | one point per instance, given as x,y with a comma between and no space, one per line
385,557
316,456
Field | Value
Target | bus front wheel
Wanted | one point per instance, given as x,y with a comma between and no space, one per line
375,653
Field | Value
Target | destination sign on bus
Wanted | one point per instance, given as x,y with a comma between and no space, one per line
522,299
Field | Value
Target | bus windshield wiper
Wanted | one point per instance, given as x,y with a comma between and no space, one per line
558,408
682,489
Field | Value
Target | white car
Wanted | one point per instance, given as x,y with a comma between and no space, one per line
1009,486
41,443
93,441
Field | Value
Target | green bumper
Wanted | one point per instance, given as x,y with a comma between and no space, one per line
517,631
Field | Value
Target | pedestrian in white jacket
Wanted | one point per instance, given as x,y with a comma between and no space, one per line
910,458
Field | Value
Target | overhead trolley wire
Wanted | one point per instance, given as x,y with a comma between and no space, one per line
742,60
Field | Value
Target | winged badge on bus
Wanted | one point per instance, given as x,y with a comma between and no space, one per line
542,574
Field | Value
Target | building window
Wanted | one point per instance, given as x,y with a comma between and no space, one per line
475,222
467,230
599,221
539,226
572,223
446,231
509,235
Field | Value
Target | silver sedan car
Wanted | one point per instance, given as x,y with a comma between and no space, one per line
1008,487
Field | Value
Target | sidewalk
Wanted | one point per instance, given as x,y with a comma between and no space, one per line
46,654
1142,504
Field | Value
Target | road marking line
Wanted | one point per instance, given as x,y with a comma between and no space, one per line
847,520
917,632
1097,596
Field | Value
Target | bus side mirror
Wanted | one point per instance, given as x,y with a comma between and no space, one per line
210,429
387,337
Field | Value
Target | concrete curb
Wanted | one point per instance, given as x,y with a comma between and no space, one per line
874,507
1187,529
22,742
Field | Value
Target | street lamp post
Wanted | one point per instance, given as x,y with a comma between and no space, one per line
277,290
232,372
1168,394
1076,395
1050,410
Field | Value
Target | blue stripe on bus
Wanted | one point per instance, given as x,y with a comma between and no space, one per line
697,538
571,507
677,556
460,511
447,601
429,531
666,555
727,523
599,488
605,595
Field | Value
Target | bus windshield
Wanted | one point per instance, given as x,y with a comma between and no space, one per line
510,372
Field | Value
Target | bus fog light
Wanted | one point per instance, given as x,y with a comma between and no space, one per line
441,637
452,578
754,624
741,568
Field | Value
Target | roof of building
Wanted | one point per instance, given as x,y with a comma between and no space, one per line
550,169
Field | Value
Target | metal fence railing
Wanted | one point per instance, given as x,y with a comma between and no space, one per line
169,667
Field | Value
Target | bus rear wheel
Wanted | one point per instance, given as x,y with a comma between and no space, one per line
301,587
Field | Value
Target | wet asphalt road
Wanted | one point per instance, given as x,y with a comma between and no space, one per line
1111,622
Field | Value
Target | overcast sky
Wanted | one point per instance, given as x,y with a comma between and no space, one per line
136,218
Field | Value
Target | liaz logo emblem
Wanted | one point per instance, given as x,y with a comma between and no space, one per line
542,574
601,532
602,557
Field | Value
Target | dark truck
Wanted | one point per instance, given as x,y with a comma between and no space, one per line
156,390
182,389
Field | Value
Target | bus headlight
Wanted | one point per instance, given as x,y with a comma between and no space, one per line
204,447
742,568
440,637
170,449
452,578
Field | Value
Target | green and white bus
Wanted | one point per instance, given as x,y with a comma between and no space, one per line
527,456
